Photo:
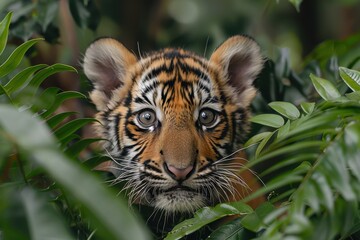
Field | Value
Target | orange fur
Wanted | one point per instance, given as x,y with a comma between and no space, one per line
180,161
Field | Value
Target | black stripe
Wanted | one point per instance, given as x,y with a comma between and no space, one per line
151,87
174,54
215,147
235,127
167,93
156,71
117,123
148,166
187,92
229,148
203,87
226,127
210,163
139,100
136,156
128,132
198,72
128,100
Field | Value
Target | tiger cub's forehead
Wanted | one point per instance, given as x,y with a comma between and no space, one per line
176,78
175,64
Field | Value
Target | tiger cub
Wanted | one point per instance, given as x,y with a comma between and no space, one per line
175,121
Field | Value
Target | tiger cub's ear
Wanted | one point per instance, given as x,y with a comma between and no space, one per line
106,63
240,60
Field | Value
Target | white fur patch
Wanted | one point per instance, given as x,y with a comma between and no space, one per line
179,201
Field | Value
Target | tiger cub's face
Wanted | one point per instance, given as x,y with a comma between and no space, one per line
175,121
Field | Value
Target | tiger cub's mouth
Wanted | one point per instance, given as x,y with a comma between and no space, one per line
179,188
177,199
155,191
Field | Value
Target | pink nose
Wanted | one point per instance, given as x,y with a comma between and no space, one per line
179,173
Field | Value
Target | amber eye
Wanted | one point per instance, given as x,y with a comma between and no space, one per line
147,118
208,117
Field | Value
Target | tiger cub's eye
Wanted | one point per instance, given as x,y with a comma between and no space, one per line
147,118
208,118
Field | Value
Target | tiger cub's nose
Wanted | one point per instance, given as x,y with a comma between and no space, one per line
179,173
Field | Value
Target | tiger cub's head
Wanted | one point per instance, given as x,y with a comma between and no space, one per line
174,120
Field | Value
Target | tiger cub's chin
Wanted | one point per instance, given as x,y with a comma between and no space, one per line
175,121
180,201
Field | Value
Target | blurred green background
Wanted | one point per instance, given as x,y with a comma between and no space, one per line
198,25
291,32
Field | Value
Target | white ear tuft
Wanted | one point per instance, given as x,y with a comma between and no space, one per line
106,63
240,59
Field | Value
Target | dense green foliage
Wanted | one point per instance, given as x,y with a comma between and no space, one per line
305,147
313,159
43,181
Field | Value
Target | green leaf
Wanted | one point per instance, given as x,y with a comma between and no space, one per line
312,196
352,141
288,149
60,98
93,162
85,14
44,222
21,10
257,138
231,231
286,109
47,12
271,120
325,88
19,79
255,220
351,78
264,210
13,226
353,62
296,4
274,184
347,217
251,222
4,31
16,56
58,118
325,194
354,96
284,130
79,146
282,66
340,177
263,144
42,101
48,71
286,162
307,107
25,30
207,215
3,91
71,127
104,209
332,67
300,225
